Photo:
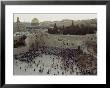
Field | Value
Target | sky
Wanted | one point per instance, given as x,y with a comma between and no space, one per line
53,17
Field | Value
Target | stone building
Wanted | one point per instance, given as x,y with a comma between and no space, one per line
19,26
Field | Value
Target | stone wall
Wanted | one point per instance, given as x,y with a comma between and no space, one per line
61,41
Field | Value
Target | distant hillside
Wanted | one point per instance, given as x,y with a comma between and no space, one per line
91,22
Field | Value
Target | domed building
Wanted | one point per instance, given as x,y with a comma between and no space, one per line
35,22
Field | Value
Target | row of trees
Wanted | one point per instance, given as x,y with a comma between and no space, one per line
20,41
73,30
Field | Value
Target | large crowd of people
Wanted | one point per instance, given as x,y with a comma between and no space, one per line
49,61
